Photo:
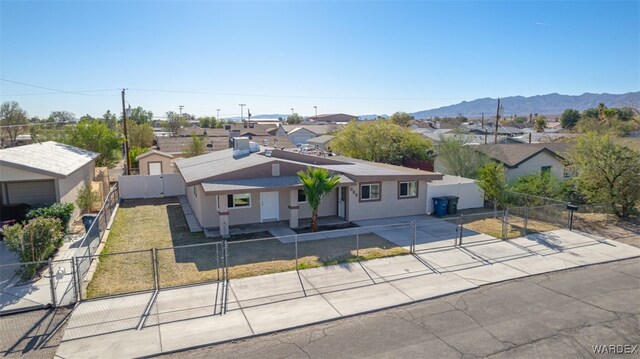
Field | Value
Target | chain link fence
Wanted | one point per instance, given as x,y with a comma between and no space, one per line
35,285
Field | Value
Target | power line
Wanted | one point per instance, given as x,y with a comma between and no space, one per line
57,91
289,96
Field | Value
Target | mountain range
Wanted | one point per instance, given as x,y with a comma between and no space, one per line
550,104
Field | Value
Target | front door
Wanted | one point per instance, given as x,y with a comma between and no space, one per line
342,195
269,206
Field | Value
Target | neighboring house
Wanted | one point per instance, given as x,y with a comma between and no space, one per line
235,187
301,135
44,173
155,163
528,158
333,118
322,142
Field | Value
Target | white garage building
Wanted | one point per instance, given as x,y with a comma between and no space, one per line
44,173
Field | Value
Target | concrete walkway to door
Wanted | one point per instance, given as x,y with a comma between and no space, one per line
186,317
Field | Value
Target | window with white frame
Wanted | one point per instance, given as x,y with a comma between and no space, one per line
240,200
370,192
408,189
302,197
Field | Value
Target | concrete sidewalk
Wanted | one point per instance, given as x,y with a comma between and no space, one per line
191,316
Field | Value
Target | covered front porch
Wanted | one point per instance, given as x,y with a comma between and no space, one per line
265,204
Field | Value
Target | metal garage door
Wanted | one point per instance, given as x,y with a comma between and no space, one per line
33,192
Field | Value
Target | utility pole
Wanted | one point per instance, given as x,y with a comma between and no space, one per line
126,137
497,120
483,120
242,105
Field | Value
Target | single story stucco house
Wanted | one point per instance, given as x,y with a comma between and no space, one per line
237,186
45,173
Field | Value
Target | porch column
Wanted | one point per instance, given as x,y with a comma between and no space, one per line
293,208
223,213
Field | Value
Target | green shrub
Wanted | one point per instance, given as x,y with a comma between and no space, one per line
37,240
86,198
62,211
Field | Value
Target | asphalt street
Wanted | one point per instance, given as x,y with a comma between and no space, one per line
556,315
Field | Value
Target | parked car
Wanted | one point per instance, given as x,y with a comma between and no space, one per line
12,214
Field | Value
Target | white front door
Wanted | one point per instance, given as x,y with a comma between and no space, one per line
269,206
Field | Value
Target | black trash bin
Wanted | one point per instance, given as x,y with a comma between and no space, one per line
452,206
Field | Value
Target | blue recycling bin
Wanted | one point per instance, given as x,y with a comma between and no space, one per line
440,206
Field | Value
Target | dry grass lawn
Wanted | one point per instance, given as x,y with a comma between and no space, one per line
515,229
141,225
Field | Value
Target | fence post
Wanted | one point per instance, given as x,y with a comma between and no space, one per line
52,283
296,249
526,219
74,269
357,242
412,246
78,279
461,229
505,219
217,261
154,265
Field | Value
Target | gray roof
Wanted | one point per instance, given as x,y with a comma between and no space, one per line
209,165
360,168
48,158
321,139
258,183
512,155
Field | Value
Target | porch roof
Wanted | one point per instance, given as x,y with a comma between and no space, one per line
253,184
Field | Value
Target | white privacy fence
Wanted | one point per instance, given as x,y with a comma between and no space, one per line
151,186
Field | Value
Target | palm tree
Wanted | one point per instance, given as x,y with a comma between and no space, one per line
317,183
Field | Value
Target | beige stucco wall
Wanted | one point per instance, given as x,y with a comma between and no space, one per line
8,174
195,202
534,166
68,187
246,215
328,206
143,163
389,205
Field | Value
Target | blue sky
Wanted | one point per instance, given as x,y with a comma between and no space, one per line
355,57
